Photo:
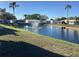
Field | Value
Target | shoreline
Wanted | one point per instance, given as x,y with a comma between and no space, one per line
71,27
54,45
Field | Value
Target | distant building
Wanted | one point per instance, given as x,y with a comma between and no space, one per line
71,21
54,22
31,20
36,22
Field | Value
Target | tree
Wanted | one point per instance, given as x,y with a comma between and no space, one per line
77,18
36,17
7,16
51,19
43,17
13,5
59,19
63,18
68,7
25,15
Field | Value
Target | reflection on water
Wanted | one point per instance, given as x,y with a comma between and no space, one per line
56,32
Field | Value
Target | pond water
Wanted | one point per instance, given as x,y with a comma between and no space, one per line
56,32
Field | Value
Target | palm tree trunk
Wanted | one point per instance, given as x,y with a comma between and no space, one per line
67,16
13,11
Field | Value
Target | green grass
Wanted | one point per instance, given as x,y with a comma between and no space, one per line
52,44
50,38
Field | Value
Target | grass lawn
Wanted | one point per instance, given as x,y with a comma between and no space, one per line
51,44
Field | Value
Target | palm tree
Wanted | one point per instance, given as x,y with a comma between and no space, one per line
68,7
25,16
13,5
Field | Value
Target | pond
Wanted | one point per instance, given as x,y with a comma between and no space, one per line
56,32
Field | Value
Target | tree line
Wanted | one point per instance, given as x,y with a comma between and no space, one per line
7,15
36,17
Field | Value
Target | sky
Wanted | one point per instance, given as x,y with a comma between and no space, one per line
53,9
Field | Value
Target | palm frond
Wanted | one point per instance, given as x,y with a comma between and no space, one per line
10,6
68,6
16,5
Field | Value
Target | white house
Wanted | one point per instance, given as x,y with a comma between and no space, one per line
71,21
33,22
